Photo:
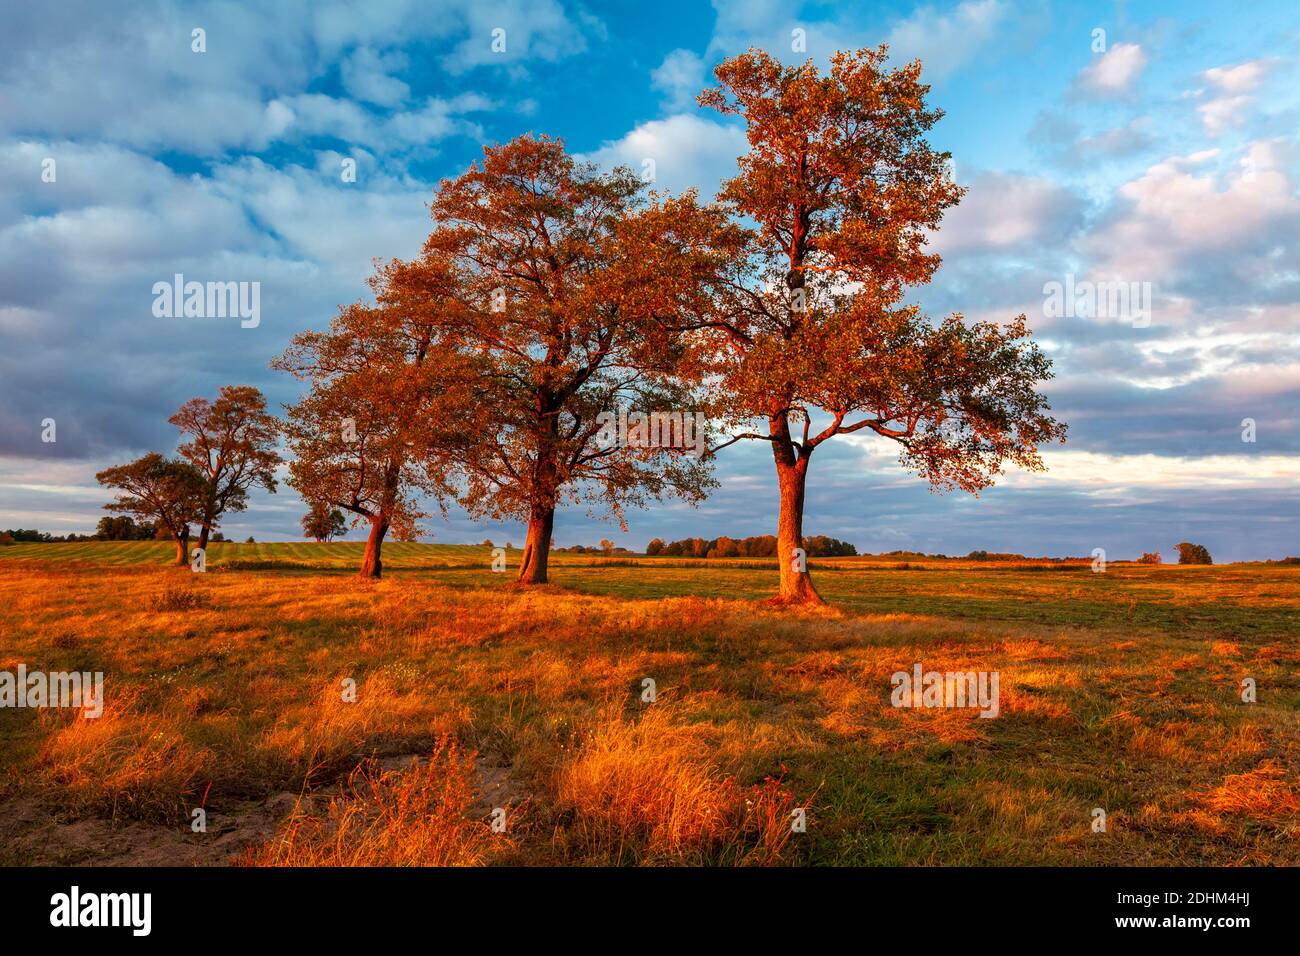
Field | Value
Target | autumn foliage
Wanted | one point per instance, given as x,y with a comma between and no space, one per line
551,295
813,341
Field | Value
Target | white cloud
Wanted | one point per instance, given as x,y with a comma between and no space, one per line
1004,211
1115,71
680,76
150,91
1118,473
1077,469
1241,78
314,114
686,150
365,75
532,29
1227,109
304,209
1179,217
945,41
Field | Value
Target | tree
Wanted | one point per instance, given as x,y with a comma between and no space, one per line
324,523
232,443
124,528
654,547
1150,557
571,283
842,188
1189,553
823,546
168,492
365,436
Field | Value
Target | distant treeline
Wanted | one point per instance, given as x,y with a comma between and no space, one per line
109,529
591,549
762,546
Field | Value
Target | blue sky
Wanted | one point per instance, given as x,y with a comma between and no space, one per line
1161,150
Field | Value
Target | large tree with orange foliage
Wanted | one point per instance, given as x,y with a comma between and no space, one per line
841,187
570,280
364,436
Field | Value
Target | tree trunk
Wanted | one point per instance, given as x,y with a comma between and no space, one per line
182,548
796,582
541,520
203,539
371,564
537,549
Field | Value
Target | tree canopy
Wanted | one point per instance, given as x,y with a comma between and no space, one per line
837,194
231,441
168,492
568,281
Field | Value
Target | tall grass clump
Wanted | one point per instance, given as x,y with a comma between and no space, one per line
417,816
638,793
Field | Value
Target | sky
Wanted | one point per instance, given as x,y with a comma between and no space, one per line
1144,146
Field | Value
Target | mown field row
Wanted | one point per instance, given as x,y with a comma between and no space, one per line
1227,600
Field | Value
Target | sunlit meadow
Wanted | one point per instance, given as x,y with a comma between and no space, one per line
496,726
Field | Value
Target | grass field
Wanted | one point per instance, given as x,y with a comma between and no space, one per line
224,690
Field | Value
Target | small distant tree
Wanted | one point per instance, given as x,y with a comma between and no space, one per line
1189,553
6,538
324,523
249,540
232,443
654,547
169,492
1150,557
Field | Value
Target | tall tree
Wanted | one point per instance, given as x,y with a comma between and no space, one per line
364,436
167,492
232,443
841,188
564,296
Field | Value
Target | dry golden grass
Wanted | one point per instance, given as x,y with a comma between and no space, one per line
127,763
643,789
1264,793
417,816
224,689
